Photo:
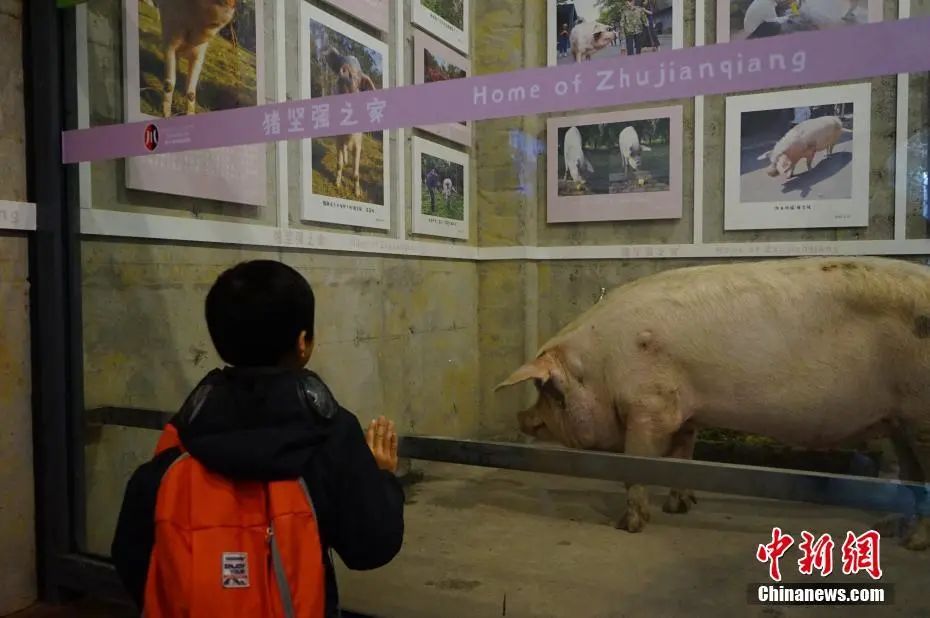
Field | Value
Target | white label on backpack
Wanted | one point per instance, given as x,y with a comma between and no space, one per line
235,570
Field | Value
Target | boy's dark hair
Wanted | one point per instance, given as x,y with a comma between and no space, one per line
256,310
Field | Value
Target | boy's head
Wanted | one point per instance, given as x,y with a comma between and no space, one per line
260,314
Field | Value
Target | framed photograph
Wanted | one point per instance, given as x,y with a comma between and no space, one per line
440,190
434,62
738,20
798,159
615,166
375,13
582,30
229,66
447,20
344,179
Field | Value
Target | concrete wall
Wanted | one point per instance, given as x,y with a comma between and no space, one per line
17,512
395,337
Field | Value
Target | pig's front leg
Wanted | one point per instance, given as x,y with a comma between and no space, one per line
681,500
647,435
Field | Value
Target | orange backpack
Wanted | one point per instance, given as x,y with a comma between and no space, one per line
232,548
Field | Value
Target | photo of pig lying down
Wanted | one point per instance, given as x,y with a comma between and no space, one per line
600,159
812,352
804,152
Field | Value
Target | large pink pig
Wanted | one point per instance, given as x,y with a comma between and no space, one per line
814,352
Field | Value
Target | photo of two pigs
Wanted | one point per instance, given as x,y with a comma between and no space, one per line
803,152
617,157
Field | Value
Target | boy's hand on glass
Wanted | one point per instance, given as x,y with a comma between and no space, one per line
382,440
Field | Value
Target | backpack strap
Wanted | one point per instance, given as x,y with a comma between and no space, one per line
169,439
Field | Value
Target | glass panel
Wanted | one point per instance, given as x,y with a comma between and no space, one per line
466,247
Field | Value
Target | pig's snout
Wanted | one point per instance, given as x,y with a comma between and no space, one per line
772,170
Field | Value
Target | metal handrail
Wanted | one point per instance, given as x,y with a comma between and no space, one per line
861,492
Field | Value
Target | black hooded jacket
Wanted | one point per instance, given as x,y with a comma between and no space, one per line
270,425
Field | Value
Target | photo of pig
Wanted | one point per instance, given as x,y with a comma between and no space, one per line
750,19
443,188
797,153
436,69
798,159
197,56
346,166
617,157
583,30
344,179
447,20
436,62
816,353
439,189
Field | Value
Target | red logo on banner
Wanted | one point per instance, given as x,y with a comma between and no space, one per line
151,137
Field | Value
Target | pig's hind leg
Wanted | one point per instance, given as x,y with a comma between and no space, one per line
682,447
912,447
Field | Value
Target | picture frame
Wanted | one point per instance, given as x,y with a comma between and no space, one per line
236,175
447,20
600,167
375,13
425,47
822,14
671,15
765,134
327,197
440,207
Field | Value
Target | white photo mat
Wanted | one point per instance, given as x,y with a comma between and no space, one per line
453,131
236,175
875,9
336,210
375,13
441,28
552,29
802,211
433,225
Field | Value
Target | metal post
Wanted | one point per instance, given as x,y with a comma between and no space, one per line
54,267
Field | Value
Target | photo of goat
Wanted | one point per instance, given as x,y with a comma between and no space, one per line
617,157
803,152
348,166
197,56
751,19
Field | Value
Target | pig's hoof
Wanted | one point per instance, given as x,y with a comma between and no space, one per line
679,502
919,537
891,527
633,521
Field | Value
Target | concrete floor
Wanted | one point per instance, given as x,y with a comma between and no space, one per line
545,544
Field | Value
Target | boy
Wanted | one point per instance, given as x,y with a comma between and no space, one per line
258,434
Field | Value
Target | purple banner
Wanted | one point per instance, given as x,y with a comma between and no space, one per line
835,55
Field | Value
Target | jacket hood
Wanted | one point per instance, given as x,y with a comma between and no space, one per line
256,424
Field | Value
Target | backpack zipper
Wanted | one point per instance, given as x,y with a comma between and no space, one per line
284,589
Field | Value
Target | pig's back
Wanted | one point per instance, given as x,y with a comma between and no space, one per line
790,343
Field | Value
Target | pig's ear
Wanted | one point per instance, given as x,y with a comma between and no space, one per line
540,369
